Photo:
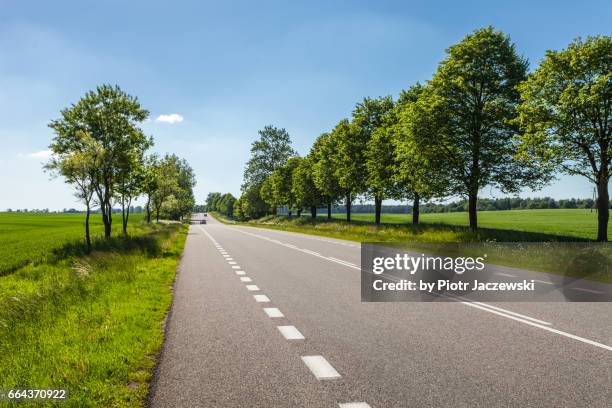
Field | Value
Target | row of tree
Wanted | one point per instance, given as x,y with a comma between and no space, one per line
100,150
514,203
481,120
221,203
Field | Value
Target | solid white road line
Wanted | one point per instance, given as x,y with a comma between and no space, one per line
273,312
550,329
588,290
240,272
321,369
290,332
541,281
261,298
355,405
252,287
506,274
505,311
246,279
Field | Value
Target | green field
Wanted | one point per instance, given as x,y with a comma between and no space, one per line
91,323
34,238
567,223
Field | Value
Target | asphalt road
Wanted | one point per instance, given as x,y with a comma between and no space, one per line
224,348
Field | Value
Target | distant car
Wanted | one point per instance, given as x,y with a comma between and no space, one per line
202,221
206,214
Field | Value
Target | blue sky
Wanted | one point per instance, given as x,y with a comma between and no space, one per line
230,68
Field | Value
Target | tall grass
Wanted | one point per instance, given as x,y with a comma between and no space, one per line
90,323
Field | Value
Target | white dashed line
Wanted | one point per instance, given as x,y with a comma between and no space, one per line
240,272
321,369
273,312
235,267
246,279
290,332
355,405
261,298
252,287
231,262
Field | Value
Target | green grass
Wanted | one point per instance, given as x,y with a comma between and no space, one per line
578,223
34,238
92,324
495,227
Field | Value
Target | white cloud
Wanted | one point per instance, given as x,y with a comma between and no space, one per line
42,154
171,118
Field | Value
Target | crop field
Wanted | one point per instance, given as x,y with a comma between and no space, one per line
34,238
91,323
578,223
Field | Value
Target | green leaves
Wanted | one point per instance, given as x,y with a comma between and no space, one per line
566,112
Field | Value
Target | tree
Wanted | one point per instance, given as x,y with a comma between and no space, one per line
266,193
370,116
226,205
419,172
281,183
150,181
185,182
79,169
272,149
375,117
469,111
566,115
349,161
323,170
303,187
252,205
110,116
173,196
130,183
211,200
166,176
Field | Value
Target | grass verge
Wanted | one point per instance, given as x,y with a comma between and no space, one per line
545,258
91,324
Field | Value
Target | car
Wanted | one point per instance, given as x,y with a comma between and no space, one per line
202,221
206,214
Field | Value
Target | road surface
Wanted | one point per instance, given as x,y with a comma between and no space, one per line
265,318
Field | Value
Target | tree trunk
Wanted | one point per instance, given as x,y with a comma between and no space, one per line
148,210
126,217
157,214
87,236
123,221
472,202
329,204
415,208
313,212
107,219
348,207
378,207
603,211
289,212
299,212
